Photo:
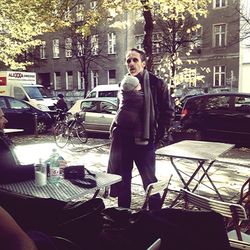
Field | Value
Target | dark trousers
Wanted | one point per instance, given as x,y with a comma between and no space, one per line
123,153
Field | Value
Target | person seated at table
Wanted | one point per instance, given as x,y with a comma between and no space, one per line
10,168
12,237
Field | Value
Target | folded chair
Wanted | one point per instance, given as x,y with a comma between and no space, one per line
233,211
155,188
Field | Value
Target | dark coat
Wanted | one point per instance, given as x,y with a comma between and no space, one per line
61,104
163,107
10,169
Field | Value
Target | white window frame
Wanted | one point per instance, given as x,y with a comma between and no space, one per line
79,12
198,37
69,80
94,44
139,42
67,14
57,80
56,48
43,50
111,43
218,71
93,4
80,49
156,42
222,35
68,47
94,78
219,4
111,80
80,80
189,76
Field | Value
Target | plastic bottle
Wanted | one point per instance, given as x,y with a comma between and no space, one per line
54,167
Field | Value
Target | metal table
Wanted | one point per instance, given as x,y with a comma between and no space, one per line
64,190
200,151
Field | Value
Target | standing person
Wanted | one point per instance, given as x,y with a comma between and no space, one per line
156,116
61,104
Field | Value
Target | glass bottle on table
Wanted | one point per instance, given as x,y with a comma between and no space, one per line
54,167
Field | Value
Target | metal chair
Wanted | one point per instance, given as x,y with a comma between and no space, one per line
232,211
156,245
155,188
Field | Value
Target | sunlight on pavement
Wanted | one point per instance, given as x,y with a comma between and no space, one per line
32,153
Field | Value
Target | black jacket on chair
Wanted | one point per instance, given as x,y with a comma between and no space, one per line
10,168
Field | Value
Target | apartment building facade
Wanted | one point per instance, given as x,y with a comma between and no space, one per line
60,69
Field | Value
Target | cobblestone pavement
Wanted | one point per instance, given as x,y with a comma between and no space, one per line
228,178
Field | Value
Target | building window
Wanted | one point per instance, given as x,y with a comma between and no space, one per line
219,76
94,45
219,35
80,80
57,80
79,12
67,14
189,76
43,50
55,48
198,37
94,78
80,48
219,3
69,80
111,43
139,42
157,39
68,47
112,76
93,4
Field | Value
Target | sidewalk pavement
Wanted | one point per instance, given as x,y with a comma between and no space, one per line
228,174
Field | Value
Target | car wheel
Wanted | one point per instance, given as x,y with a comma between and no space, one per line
41,127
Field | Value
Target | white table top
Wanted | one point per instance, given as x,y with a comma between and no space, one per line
195,150
64,190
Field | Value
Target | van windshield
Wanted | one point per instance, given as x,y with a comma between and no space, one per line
36,92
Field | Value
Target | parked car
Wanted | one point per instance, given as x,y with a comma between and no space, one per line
218,117
99,113
179,103
104,90
21,115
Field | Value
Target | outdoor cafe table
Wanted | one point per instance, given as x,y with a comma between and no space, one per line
203,152
64,190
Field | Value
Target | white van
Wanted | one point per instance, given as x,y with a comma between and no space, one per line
107,90
23,86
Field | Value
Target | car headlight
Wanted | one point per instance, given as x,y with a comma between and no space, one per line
42,107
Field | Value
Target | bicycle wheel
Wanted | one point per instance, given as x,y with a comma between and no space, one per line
81,133
61,135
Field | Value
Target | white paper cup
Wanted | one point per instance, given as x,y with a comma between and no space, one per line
40,175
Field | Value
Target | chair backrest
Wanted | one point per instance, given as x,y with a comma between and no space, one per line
233,211
229,210
156,245
155,188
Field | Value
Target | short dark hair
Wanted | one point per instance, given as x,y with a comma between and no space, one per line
60,95
141,52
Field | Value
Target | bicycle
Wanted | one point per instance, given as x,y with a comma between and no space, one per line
67,128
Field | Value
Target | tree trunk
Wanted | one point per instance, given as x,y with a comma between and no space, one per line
148,30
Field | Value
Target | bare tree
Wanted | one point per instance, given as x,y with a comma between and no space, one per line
179,37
